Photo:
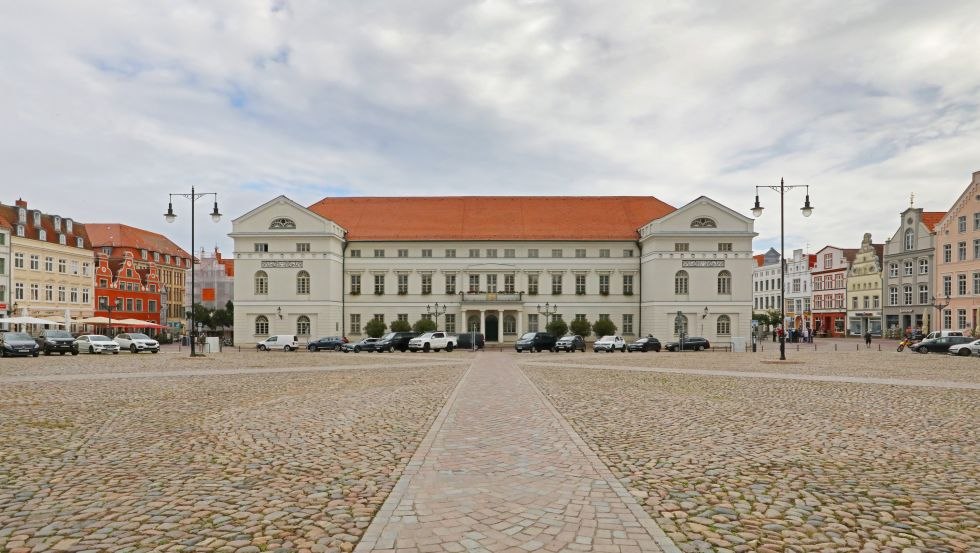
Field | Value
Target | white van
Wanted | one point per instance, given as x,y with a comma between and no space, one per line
284,342
943,333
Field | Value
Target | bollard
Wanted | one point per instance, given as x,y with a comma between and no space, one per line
857,347
835,347
879,347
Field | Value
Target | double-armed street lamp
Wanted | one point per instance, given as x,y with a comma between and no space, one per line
807,210
548,311
108,306
435,311
939,304
171,217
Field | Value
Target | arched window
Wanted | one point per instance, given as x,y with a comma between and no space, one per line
725,283
680,324
909,239
724,325
473,322
704,222
681,283
510,324
282,223
303,325
303,283
261,283
261,325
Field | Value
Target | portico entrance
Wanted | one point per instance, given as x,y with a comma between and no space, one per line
491,329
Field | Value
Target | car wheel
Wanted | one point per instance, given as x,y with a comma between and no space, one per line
74,351
449,346
91,349
61,353
965,352
426,347
262,348
337,347
154,351
923,349
132,348
115,352
36,353
47,351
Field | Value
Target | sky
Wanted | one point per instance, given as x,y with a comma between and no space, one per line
109,106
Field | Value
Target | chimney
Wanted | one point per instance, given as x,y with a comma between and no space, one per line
21,203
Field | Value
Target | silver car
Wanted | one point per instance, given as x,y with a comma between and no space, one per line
95,343
966,350
136,342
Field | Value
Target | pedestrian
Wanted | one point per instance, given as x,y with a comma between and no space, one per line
867,339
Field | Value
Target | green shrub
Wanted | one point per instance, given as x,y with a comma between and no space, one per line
603,327
424,325
375,328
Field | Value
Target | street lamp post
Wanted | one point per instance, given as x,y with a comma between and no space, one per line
106,306
548,311
807,210
435,311
939,304
171,217
704,315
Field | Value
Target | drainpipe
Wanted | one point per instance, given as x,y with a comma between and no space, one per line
343,280
638,292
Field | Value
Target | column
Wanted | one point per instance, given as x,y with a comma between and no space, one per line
483,322
520,322
500,327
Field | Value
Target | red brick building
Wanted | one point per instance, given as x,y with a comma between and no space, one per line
134,292
830,290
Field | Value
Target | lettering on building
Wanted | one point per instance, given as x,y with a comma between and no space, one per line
282,264
701,263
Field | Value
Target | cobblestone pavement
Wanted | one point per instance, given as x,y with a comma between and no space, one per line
241,463
501,471
751,464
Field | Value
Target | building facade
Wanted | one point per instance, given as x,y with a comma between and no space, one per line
766,288
799,291
125,290
499,265
148,250
864,290
6,279
53,267
958,261
909,268
829,276
214,280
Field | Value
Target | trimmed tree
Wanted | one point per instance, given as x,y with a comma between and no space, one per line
557,328
424,325
375,328
603,327
581,327
400,326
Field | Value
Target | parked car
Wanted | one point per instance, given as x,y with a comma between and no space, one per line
367,344
95,343
940,344
395,340
967,349
432,341
648,343
570,343
465,340
285,342
610,344
18,343
695,343
535,341
52,340
136,342
941,333
327,342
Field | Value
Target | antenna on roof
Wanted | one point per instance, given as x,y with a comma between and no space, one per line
912,199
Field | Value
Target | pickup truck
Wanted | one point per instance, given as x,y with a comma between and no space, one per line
432,341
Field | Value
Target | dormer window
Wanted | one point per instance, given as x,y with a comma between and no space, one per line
42,235
107,250
62,239
79,242
167,259
20,230
156,257
57,222
68,226
144,254
22,216
37,218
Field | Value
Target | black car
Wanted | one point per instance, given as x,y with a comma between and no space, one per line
694,343
395,340
465,340
60,341
18,343
940,344
535,341
570,343
644,344
332,343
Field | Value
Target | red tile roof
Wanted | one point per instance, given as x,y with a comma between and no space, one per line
124,236
9,213
4,223
931,218
228,264
760,258
493,217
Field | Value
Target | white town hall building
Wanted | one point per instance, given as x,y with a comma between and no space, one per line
493,263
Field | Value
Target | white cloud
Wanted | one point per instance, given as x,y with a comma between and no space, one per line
864,101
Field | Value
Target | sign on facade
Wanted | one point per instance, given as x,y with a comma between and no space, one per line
701,263
282,264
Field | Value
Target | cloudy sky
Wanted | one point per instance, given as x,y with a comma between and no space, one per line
109,105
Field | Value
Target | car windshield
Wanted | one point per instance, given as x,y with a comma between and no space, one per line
17,336
98,338
58,334
607,338
138,337
388,336
528,336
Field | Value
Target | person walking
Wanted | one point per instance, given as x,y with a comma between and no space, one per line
867,339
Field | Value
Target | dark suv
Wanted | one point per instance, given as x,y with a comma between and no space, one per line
331,343
535,341
695,343
395,340
465,340
51,340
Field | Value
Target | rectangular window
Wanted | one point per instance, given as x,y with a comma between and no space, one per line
426,253
556,284
3,266
961,285
259,247
580,284
61,294
379,285
923,266
893,269
867,302
627,323
961,223
49,264
508,284
139,304
604,252
681,247
474,284
48,292
907,267
603,316
403,284
947,285
947,318
532,322
379,317
129,304
355,323
426,284
509,252
151,306
923,293
907,294
893,295
355,284
451,253
491,283
628,285
474,252
976,248
532,285
976,284
604,284
961,251
450,322
379,253
724,246
18,261
556,252
18,291
302,246
876,301
73,295
947,253
402,252
450,284
961,318
85,268
627,253
828,260
491,252
355,253
854,302
579,252
35,262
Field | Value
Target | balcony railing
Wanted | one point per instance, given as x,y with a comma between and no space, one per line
492,297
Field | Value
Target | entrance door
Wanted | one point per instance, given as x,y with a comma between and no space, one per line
490,332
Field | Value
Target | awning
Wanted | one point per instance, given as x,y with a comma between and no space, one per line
135,323
30,321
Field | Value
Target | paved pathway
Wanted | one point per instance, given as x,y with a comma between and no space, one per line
500,470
